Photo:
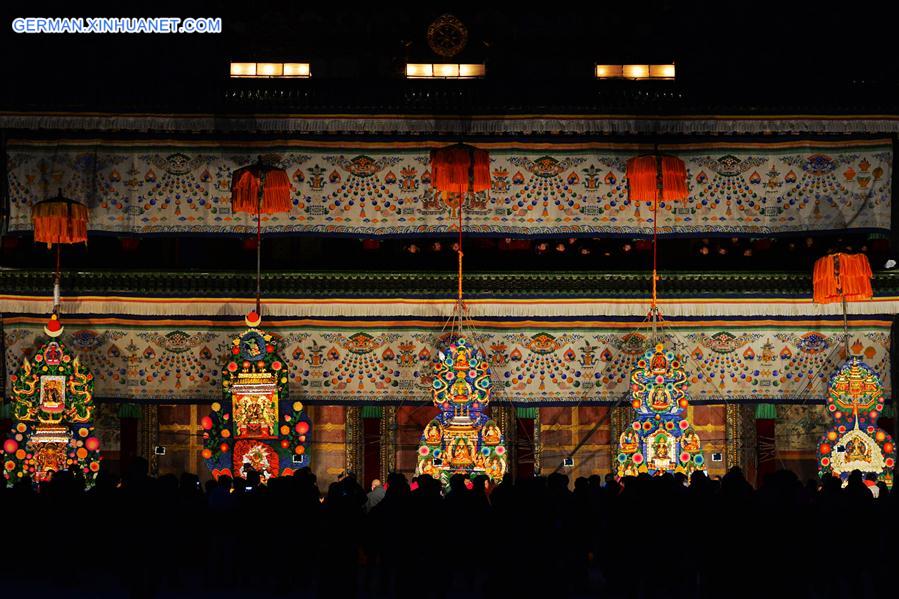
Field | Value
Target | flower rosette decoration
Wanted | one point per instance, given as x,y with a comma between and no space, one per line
255,413
661,438
52,396
854,442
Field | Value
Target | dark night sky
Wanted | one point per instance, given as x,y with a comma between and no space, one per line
794,47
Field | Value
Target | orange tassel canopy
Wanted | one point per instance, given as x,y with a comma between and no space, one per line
642,178
245,184
59,220
460,168
842,275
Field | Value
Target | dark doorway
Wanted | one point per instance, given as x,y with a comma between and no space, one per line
371,445
525,423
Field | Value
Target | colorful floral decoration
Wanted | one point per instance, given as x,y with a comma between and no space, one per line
462,439
661,438
854,442
52,398
255,425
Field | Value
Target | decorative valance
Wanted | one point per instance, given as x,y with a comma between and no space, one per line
384,188
534,361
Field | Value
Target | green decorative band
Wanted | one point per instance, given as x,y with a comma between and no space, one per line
130,410
765,411
372,411
526,413
591,284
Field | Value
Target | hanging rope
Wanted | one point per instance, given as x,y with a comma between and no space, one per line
56,278
259,242
654,313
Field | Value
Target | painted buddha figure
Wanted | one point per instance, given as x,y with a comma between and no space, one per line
629,441
857,451
660,447
658,364
254,418
461,390
660,400
492,435
461,454
690,441
433,435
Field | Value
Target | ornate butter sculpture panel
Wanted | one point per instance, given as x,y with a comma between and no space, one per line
661,438
462,439
255,426
52,398
854,442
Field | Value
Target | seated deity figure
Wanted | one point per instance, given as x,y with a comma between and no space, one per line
690,441
433,434
660,398
857,451
629,441
254,418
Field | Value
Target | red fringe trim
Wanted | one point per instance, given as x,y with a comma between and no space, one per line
59,222
460,169
842,275
275,191
642,174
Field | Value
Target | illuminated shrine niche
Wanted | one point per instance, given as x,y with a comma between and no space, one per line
462,439
854,442
255,426
52,397
661,438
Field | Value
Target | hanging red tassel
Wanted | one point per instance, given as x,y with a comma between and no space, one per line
674,179
842,275
460,168
642,178
59,220
276,188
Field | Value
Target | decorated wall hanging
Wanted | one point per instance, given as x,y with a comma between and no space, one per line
535,189
854,442
255,426
533,361
52,396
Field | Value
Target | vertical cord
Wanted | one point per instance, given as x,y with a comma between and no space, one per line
845,329
459,306
838,272
654,309
259,241
56,278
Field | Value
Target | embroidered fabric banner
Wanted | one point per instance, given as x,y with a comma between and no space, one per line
531,362
381,189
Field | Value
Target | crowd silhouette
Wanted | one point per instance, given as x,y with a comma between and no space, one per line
639,537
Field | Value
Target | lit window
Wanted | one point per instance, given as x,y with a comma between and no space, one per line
635,71
269,70
445,71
